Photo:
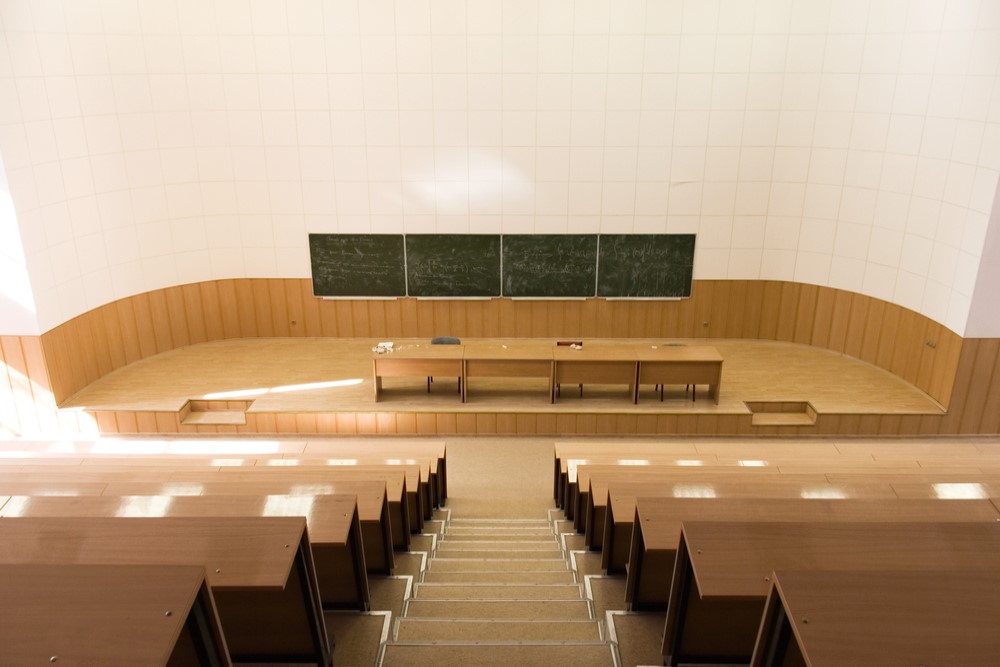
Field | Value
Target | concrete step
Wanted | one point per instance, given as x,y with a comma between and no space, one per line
466,563
425,591
495,535
494,577
499,655
448,551
460,630
499,609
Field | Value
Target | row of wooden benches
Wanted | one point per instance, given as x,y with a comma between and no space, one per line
704,542
275,541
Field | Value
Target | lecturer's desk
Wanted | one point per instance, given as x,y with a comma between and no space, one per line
108,615
895,619
723,571
680,364
260,571
657,530
334,529
595,363
418,360
513,359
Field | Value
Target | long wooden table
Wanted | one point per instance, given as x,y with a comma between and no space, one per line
595,362
900,619
334,528
110,615
658,521
260,571
723,572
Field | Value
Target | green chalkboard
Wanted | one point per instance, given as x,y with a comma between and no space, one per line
453,264
645,265
549,265
357,264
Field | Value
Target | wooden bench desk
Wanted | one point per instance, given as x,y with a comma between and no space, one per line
418,360
513,359
723,571
109,615
260,571
595,363
563,451
664,364
967,487
334,529
900,619
657,531
397,496
619,513
373,510
36,487
436,450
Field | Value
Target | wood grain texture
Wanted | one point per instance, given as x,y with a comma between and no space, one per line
934,359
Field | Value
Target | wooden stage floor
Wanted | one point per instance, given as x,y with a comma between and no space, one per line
331,375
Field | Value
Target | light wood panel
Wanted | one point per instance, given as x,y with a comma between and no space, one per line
934,359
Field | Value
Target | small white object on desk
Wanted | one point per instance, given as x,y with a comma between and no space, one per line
382,348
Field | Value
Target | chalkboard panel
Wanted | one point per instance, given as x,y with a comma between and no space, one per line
453,264
549,265
357,264
645,265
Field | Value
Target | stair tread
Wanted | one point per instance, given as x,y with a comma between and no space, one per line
420,630
498,609
476,591
499,655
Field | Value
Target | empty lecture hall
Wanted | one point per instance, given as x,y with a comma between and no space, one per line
412,333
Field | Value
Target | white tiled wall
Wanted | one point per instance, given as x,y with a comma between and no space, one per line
849,143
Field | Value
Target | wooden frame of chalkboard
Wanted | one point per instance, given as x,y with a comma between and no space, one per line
645,265
520,266
549,265
358,265
453,265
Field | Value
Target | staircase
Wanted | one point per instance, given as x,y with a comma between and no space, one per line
497,593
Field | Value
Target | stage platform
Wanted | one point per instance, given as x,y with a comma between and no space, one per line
325,385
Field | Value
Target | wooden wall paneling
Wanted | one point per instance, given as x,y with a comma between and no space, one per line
101,351
177,318
909,341
952,421
157,303
20,383
566,424
485,424
71,367
738,296
343,321
928,354
687,424
245,308
638,317
909,425
506,423
127,421
166,422
83,338
447,423
284,423
194,313
840,320
586,423
376,319
947,353
805,314
295,311
769,306
9,419
361,326
212,310
327,318
873,331
887,341
305,422
228,308
281,318
545,424
525,423
703,308
889,425
980,381
990,421
312,326
788,305
825,300
856,325
687,316
41,389
721,308
263,322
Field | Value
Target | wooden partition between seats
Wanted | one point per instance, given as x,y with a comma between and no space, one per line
958,373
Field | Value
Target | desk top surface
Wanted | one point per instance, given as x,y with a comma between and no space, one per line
393,477
661,518
77,613
735,559
236,552
421,351
329,517
508,350
679,353
895,618
371,495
